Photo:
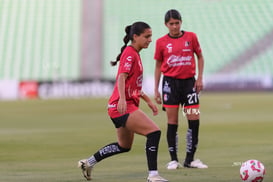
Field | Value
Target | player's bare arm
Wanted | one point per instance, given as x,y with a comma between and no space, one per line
122,106
157,80
199,81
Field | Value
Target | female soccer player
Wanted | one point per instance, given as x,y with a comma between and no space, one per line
174,57
123,107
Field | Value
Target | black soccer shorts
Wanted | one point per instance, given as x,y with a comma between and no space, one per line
120,121
179,91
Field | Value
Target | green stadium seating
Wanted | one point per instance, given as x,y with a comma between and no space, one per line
40,40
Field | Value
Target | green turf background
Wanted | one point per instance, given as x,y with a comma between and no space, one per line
43,140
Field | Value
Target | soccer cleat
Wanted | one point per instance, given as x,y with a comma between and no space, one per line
86,170
173,165
156,178
196,164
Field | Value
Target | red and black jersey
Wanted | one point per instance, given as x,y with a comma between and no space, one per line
177,55
130,63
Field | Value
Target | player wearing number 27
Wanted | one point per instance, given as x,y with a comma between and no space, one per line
174,57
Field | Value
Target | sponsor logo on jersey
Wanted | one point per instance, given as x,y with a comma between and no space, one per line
129,58
169,47
111,106
139,81
186,50
127,66
140,65
135,93
179,60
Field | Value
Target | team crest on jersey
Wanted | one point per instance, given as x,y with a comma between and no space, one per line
170,48
187,43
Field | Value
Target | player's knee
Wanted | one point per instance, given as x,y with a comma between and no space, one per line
193,117
123,149
155,134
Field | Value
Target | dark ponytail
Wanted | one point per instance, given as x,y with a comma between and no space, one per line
126,39
137,28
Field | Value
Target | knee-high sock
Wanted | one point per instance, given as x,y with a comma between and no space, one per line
152,149
192,139
172,140
106,151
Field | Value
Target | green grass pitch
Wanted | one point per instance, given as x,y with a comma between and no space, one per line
42,140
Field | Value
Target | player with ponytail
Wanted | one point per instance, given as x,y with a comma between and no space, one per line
123,106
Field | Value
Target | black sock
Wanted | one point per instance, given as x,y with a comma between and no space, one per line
172,141
152,149
192,140
109,150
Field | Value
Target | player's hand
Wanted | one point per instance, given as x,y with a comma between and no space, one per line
198,86
153,107
122,106
157,97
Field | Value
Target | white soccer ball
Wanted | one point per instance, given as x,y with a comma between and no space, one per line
252,171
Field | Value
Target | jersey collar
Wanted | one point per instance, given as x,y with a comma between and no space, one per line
177,37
